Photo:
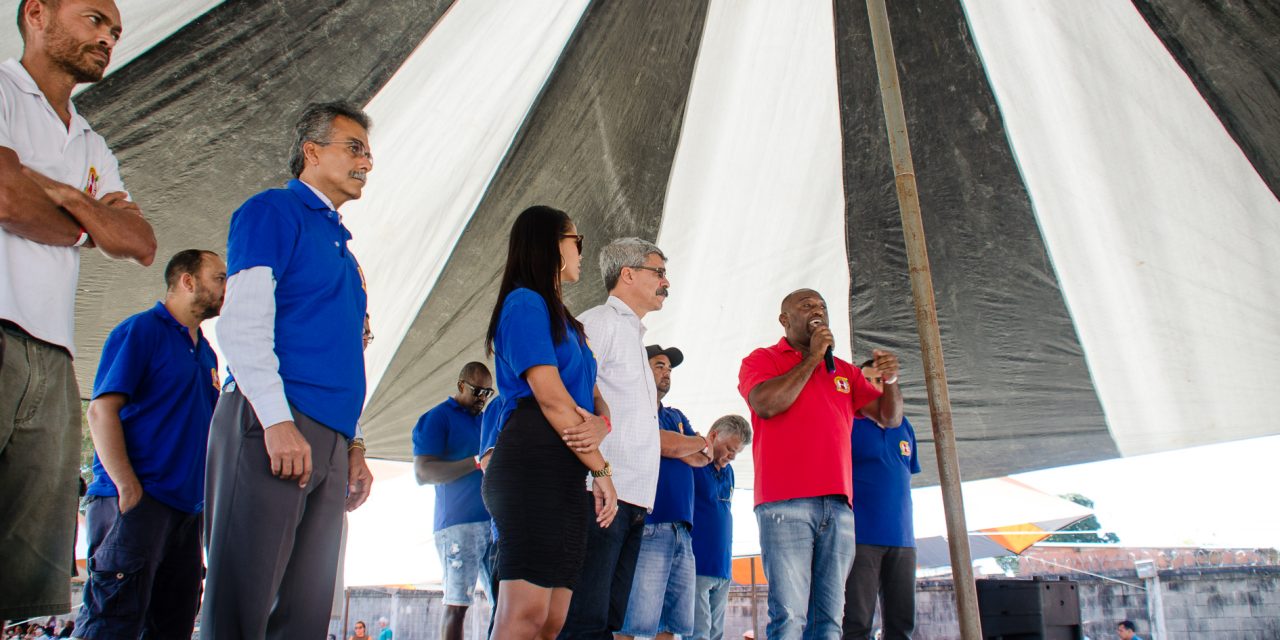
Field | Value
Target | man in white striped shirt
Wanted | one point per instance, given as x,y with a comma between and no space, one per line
635,275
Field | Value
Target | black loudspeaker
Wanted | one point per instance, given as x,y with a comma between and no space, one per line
1029,609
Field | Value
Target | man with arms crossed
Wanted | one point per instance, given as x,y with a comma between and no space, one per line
60,189
446,441
884,458
661,601
154,394
635,275
801,416
284,456
713,525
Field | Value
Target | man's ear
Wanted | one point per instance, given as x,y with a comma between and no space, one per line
188,282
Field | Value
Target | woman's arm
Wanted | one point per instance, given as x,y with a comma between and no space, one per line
559,408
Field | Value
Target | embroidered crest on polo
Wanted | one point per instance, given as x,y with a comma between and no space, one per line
217,384
842,384
905,448
91,185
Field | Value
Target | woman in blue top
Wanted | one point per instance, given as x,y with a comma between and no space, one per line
551,420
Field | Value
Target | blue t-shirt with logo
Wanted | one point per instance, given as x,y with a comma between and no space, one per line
522,341
451,432
883,461
713,520
673,501
171,384
320,299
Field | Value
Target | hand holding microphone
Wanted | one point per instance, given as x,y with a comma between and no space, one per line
821,341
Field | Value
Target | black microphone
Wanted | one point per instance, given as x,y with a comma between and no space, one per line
830,356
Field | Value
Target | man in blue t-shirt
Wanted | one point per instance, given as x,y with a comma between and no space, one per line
885,561
446,441
661,601
154,394
285,457
713,525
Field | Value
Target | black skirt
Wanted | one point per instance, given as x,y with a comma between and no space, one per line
535,489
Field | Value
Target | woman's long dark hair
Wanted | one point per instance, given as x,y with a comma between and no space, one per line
533,262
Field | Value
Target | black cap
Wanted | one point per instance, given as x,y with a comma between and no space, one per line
673,354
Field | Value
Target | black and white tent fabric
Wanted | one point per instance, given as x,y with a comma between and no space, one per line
1099,181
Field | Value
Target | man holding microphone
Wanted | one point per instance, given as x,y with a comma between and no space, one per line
803,402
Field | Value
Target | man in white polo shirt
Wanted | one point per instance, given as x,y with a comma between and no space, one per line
60,190
635,275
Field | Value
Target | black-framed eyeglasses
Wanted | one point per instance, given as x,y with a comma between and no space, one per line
661,272
479,392
357,148
578,238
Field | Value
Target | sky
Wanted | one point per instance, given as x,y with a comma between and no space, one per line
1214,495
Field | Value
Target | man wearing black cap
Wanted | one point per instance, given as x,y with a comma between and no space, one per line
662,589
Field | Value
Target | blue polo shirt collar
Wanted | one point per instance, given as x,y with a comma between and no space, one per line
310,196
163,313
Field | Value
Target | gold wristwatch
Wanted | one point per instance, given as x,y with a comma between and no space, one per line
606,470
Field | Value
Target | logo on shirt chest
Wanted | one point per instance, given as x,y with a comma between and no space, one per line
842,384
217,384
91,184
905,448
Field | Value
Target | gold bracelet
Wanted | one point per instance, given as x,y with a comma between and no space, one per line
606,470
357,443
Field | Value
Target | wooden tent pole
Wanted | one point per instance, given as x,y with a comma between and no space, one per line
926,323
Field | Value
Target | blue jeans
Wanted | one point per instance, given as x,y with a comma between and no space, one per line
600,597
710,595
662,588
807,547
463,550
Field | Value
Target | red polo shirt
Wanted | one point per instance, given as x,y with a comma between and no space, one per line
803,452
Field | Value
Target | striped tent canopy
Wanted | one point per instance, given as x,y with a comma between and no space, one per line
1099,182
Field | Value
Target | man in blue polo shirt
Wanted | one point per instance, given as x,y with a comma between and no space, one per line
661,600
154,394
885,560
446,441
285,459
713,525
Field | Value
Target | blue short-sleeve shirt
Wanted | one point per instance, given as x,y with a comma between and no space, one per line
522,341
673,501
713,520
171,384
451,432
320,299
883,461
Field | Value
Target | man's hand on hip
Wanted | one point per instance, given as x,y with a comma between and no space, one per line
359,479
290,452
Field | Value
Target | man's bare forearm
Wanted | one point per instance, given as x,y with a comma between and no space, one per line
435,471
677,445
776,395
108,441
118,231
27,211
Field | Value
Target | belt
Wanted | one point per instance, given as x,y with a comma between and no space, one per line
17,330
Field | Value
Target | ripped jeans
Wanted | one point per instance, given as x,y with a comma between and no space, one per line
463,550
807,546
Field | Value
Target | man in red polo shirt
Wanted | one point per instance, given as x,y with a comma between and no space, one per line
801,416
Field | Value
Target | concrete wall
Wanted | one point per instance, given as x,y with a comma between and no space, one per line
1205,604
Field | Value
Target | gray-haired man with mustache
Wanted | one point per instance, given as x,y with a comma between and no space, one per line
285,459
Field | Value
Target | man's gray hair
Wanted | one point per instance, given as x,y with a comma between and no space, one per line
316,125
733,425
625,252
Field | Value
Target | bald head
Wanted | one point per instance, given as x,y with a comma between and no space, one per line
797,295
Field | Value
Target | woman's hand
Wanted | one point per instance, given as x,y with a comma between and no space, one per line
586,437
606,500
